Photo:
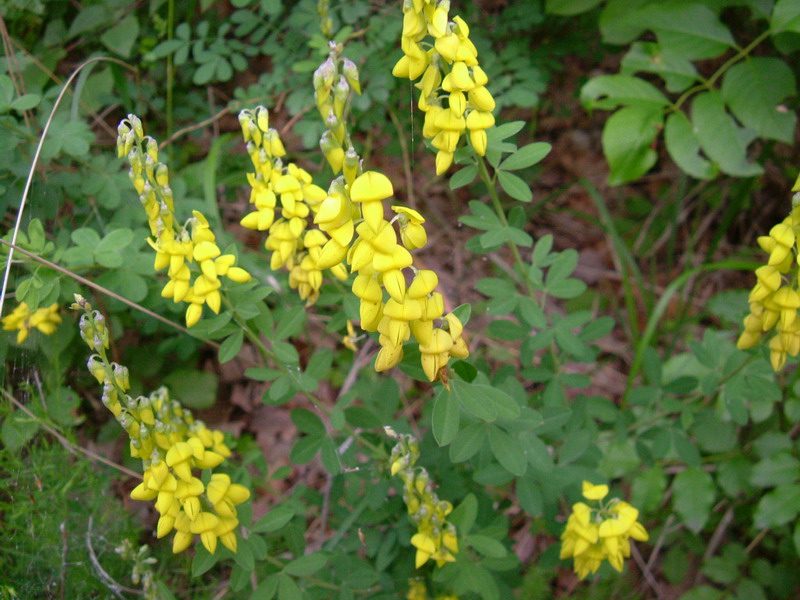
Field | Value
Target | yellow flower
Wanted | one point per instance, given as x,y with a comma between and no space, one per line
603,533
22,320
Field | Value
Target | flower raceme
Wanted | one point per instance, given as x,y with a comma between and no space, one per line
189,253
435,539
346,229
775,299
22,320
453,92
172,446
601,533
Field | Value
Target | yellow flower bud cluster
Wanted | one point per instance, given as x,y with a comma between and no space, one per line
418,591
774,300
600,533
333,81
292,244
173,447
177,249
22,320
435,538
453,92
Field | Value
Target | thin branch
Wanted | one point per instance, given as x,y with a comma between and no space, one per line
74,448
32,170
100,289
112,585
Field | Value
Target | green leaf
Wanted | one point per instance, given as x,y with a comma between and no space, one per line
610,91
85,237
694,495
677,72
288,589
778,507
274,520
290,323
569,7
26,102
306,448
514,186
115,240
306,565
785,16
307,422
17,429
775,470
446,417
628,138
485,545
536,452
267,588
463,177
90,18
230,347
467,442
719,136
506,450
689,29
285,352
505,329
195,389
684,148
472,398
527,156
121,37
203,561
754,90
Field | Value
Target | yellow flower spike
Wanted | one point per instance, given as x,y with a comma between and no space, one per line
210,460
371,186
594,492
332,254
479,141
179,458
204,525
187,489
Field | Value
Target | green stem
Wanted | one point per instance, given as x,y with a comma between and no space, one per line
709,84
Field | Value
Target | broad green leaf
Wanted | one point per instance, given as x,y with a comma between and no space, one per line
507,451
274,520
306,448
719,136
514,186
463,177
266,588
290,323
307,422
306,565
778,507
288,589
486,545
527,156
115,240
90,18
121,37
689,29
684,148
775,470
16,430
754,90
195,389
569,7
786,16
26,102
85,237
472,398
467,442
694,495
628,138
677,72
621,22
610,91
536,452
445,418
